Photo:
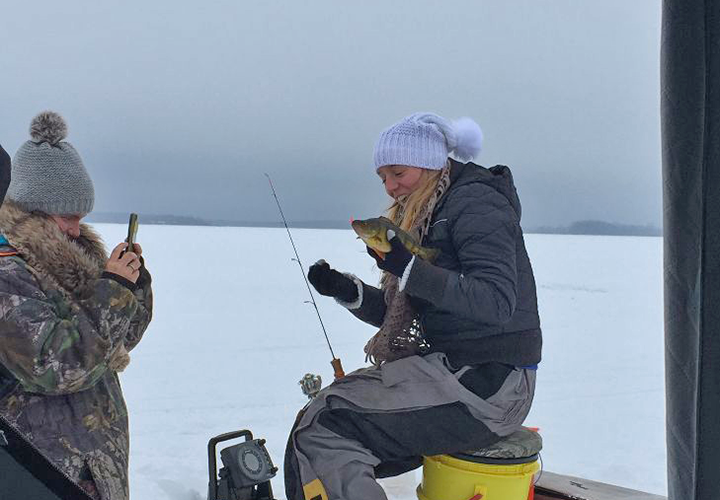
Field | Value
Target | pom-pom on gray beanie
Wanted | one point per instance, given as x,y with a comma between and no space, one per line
48,174
426,140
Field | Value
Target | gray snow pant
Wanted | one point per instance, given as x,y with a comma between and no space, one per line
378,422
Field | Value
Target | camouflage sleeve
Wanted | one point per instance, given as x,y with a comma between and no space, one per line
143,315
53,345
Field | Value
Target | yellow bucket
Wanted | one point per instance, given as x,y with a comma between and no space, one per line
450,478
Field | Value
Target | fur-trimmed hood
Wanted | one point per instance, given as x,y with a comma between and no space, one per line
71,263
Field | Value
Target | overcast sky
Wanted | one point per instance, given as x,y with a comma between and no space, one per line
179,107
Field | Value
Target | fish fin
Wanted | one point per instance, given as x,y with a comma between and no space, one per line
380,254
430,254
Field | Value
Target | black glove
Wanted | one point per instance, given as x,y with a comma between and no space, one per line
145,278
396,260
332,283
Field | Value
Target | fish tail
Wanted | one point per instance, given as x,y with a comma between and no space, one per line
428,254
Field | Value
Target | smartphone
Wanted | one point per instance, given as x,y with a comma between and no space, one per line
132,231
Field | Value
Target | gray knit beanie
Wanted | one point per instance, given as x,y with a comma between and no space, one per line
48,174
426,140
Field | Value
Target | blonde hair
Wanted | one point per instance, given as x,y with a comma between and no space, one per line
404,212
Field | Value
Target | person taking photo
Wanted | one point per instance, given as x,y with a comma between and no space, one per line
69,315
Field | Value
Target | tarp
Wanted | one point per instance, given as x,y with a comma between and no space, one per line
690,83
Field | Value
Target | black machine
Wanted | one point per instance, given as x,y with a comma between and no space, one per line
247,469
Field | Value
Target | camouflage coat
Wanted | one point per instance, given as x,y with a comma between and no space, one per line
64,331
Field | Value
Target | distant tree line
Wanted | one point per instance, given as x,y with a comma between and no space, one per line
578,227
600,228
186,220
173,220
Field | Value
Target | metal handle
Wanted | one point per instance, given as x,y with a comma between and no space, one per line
212,459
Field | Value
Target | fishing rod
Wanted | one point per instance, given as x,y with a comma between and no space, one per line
336,363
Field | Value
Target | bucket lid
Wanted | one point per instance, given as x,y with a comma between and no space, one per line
521,446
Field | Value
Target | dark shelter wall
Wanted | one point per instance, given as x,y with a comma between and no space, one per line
4,173
691,184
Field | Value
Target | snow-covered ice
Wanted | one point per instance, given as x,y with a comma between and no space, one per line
232,335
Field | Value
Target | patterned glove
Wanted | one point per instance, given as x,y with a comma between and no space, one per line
396,260
119,360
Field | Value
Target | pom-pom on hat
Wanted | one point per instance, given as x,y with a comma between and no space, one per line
48,174
426,140
48,127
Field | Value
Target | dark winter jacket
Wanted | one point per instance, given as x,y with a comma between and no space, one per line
477,302
65,328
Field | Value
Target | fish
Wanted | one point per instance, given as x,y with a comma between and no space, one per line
373,232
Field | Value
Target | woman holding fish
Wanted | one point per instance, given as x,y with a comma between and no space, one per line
459,338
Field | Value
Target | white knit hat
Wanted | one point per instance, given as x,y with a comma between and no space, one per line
425,140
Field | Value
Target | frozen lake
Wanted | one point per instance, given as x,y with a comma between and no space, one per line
231,337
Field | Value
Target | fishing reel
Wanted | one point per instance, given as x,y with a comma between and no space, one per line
310,385
247,469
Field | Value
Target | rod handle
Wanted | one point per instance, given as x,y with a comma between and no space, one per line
337,368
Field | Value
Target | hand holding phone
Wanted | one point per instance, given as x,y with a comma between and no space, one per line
125,259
